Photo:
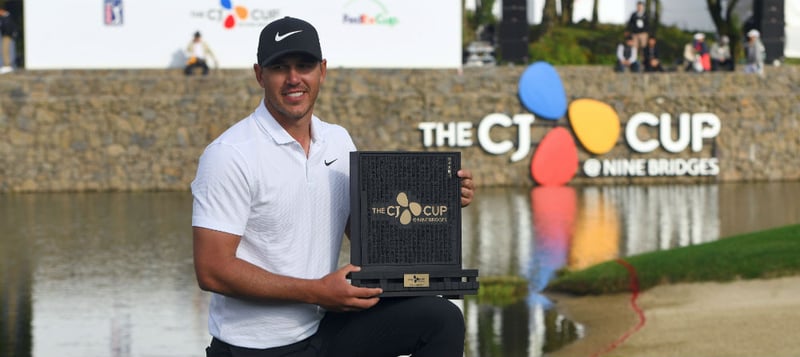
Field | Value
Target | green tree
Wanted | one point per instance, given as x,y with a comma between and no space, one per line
472,20
567,7
483,11
653,9
726,23
549,18
467,32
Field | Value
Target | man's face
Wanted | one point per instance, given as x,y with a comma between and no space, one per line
291,85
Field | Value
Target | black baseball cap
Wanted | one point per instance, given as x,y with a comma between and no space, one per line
287,35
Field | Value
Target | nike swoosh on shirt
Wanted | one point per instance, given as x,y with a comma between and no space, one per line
279,37
328,163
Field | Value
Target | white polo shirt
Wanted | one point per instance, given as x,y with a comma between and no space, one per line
255,181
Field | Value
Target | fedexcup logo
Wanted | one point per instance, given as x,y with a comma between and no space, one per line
597,128
406,211
368,12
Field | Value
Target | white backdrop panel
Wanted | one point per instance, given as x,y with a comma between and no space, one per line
154,33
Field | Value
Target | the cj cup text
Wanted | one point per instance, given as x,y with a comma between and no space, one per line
693,130
258,15
396,211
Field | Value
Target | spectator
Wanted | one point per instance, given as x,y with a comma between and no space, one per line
696,54
689,57
755,52
721,59
199,53
639,26
652,63
8,33
749,24
626,56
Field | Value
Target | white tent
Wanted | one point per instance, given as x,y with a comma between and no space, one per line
792,19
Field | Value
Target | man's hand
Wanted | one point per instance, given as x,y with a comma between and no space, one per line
337,294
467,187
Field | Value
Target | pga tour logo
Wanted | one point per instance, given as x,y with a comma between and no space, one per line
112,12
596,126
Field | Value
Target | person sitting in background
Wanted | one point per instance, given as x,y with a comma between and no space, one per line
651,61
721,59
626,56
8,32
701,53
696,55
755,53
688,57
198,52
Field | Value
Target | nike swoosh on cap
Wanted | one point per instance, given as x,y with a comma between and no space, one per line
279,37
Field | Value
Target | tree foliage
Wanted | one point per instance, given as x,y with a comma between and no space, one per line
653,8
725,22
556,17
549,16
567,7
472,20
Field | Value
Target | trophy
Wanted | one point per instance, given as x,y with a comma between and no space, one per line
405,224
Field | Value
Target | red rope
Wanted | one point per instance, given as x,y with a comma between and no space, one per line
634,295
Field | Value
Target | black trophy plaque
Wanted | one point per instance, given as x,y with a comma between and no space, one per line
405,224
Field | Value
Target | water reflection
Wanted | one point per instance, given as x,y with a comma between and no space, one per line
15,297
110,274
575,227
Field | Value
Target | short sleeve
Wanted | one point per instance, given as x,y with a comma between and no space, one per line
220,191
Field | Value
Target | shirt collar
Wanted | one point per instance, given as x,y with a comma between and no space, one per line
278,133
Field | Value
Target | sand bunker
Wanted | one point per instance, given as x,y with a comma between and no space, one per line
741,318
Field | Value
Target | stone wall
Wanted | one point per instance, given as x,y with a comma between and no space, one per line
144,130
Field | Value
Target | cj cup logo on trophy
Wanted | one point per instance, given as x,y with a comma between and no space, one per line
405,224
407,211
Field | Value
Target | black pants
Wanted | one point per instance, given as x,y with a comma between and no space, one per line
189,69
728,65
619,67
423,326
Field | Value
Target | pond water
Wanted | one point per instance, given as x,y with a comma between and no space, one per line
110,274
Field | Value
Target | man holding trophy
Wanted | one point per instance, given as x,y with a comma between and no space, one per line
271,204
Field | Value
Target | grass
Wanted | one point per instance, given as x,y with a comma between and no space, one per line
764,254
502,290
792,61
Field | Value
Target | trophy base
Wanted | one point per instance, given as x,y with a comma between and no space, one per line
418,281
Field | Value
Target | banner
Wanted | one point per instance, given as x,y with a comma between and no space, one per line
101,34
